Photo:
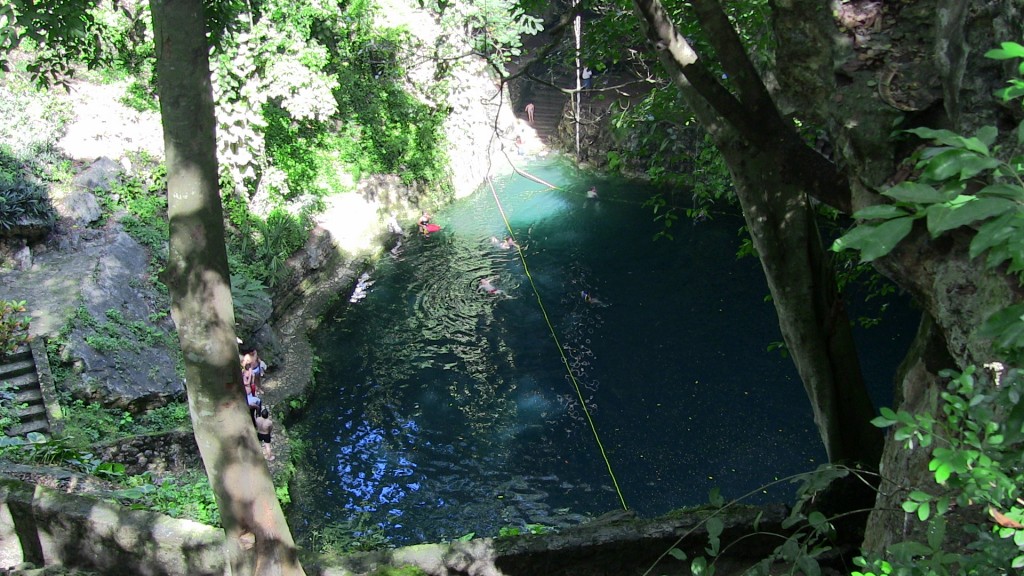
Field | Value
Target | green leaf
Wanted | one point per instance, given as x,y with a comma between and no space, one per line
963,164
1009,50
817,521
809,566
880,422
906,551
919,496
1005,328
885,238
1007,191
994,233
880,212
941,217
36,438
715,497
916,193
875,241
987,135
924,511
945,137
677,554
715,526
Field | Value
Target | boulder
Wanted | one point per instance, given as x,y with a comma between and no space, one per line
124,356
80,204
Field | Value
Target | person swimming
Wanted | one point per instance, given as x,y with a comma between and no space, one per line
507,244
590,299
592,193
488,287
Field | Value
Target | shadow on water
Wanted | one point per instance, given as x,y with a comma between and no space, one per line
443,409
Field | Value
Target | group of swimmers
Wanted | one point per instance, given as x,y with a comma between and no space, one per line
253,370
485,285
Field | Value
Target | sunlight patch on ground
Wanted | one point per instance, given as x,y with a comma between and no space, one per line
351,221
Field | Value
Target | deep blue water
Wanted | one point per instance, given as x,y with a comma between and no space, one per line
441,410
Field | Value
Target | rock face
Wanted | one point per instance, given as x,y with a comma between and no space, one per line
97,305
124,360
79,204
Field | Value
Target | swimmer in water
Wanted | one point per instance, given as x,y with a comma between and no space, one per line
507,244
592,193
488,287
590,299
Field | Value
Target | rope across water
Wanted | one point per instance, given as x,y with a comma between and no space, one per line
554,336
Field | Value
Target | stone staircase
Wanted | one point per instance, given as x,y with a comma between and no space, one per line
549,105
26,383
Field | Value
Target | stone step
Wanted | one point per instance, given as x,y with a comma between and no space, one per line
29,412
22,382
34,425
22,352
17,368
28,396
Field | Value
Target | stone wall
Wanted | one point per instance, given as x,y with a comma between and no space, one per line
46,527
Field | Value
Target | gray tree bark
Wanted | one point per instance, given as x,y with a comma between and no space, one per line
258,539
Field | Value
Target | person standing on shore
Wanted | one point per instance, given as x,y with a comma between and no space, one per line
264,427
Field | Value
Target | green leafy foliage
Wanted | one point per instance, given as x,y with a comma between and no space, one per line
963,182
510,531
976,450
34,120
251,300
13,326
258,249
493,28
87,423
22,202
63,31
806,537
37,449
1010,51
173,416
9,407
310,97
355,534
185,496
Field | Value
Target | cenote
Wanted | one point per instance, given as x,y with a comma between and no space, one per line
441,410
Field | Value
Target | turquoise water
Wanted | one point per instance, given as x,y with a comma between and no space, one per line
441,409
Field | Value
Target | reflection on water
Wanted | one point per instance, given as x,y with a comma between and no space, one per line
442,409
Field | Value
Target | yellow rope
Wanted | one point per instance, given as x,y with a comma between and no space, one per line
554,336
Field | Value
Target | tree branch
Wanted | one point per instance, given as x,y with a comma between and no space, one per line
733,56
686,69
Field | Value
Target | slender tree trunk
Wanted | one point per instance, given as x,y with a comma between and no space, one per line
258,539
774,172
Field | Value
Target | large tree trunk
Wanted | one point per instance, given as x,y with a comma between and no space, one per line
861,69
258,539
774,173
